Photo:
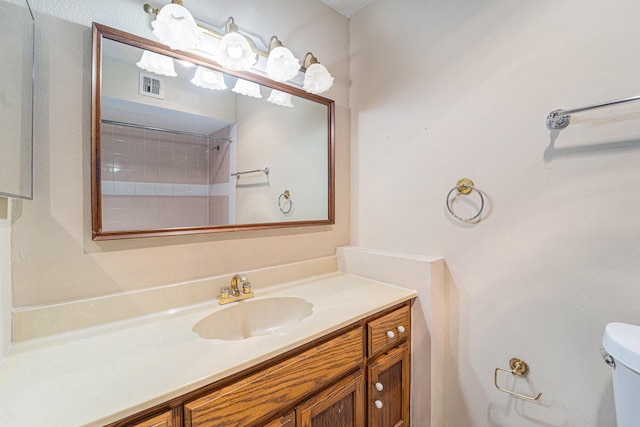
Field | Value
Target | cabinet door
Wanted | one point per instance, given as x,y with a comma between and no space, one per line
339,406
388,388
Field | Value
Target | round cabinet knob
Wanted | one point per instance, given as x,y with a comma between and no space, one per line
379,386
378,404
390,334
400,329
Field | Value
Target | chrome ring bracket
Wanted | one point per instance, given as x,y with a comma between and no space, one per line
285,203
464,187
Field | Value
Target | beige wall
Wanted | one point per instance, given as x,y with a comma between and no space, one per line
296,158
444,89
53,257
5,275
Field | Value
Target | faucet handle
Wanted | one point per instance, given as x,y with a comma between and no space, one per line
224,292
246,287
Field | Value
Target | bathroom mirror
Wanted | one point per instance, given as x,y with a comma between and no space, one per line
171,155
16,99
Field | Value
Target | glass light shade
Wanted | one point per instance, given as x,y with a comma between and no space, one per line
245,87
235,53
157,63
317,79
209,79
282,65
175,27
280,98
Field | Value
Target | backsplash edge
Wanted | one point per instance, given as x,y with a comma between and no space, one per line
42,321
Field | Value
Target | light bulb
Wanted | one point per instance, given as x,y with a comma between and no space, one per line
235,52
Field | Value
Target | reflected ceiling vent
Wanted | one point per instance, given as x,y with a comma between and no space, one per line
151,85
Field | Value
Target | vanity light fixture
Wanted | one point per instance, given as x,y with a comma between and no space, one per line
209,79
245,87
234,51
282,65
317,78
157,63
175,26
280,98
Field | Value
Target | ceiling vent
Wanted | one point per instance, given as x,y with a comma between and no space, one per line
151,85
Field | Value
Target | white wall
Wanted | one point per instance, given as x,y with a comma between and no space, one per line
444,89
297,160
54,259
5,275
121,81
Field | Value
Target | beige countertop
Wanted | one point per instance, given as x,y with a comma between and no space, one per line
98,375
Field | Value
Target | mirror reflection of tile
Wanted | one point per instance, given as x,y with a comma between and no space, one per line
153,179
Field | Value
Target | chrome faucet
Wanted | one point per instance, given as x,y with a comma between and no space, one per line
233,292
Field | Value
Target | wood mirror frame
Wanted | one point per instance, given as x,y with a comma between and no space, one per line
100,232
17,35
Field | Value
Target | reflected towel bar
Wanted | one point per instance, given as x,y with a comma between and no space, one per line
264,171
559,119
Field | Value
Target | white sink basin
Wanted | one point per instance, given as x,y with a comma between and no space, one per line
251,318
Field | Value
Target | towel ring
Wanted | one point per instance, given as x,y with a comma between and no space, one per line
465,186
285,203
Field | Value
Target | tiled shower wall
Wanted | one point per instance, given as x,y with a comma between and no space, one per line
153,179
221,193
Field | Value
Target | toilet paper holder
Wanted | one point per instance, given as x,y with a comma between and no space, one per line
520,368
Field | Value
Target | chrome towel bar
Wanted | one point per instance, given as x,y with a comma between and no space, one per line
559,119
264,171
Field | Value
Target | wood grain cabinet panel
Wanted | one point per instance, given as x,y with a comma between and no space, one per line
339,406
275,388
389,330
166,419
288,420
388,388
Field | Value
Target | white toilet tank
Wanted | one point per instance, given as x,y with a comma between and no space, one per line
622,342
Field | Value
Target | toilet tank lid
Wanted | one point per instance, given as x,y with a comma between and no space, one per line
622,341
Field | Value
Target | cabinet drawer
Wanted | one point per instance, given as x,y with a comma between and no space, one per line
386,331
279,386
165,419
288,420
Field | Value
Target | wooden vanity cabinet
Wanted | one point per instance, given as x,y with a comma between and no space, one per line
389,369
170,418
331,382
389,384
270,390
288,420
341,405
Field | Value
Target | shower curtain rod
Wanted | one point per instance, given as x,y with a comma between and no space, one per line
177,132
559,119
